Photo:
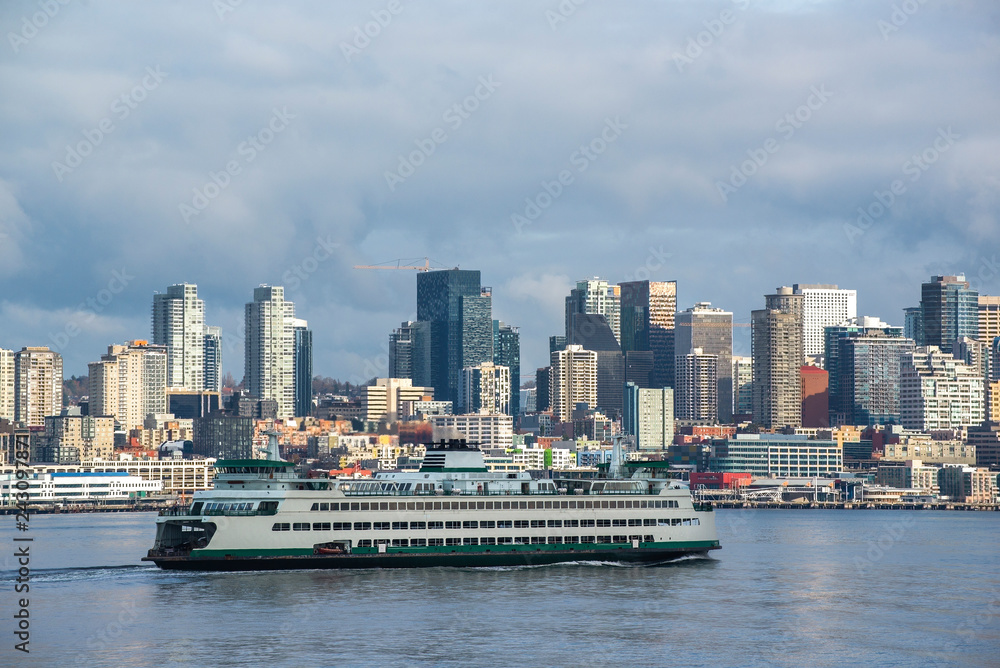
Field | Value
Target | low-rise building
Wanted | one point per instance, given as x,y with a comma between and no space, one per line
488,431
912,475
968,484
778,455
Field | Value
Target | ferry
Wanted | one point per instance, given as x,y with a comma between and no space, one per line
260,515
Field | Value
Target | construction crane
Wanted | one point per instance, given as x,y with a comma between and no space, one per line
425,267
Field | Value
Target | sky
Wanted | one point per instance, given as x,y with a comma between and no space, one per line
732,146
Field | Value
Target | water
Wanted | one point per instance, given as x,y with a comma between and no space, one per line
789,588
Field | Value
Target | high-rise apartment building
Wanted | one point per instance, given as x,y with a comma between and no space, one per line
384,400
863,358
178,323
776,332
949,310
213,358
573,380
938,391
129,383
484,388
543,388
38,385
696,386
596,297
507,352
711,330
649,416
823,306
7,385
269,349
303,350
913,325
459,312
75,437
989,318
648,310
742,385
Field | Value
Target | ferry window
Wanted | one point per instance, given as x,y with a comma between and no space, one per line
674,504
587,539
657,504
531,505
315,506
324,506
548,504
481,505
621,504
628,504
555,539
635,523
620,539
435,542
663,522
603,523
488,524
604,504
586,523
489,505
649,522
321,526
538,540
383,506
523,540
470,524
675,522
487,541
465,505
687,522
588,504
504,540
435,525
400,542
565,504
647,538
300,526
280,526
571,523
397,506
410,506
437,505
452,541
638,538
535,524
506,505
571,539
505,524
452,525
524,504
417,525
380,526
470,541
418,542
420,505
520,524
362,526
618,523
364,543
356,506
604,539
400,525
555,523
341,526
695,521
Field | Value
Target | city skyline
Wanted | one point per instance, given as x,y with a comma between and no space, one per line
667,175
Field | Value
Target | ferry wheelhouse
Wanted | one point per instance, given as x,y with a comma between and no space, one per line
452,512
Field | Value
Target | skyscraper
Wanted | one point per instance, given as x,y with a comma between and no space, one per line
648,309
594,296
543,388
913,324
179,324
822,306
776,332
696,387
213,358
711,330
592,332
949,309
863,358
269,350
649,416
410,352
989,319
38,385
303,367
485,388
742,386
459,312
6,384
129,383
573,380
507,352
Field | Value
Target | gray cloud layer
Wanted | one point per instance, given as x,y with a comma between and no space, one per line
178,92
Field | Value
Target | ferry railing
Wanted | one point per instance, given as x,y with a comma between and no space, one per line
186,512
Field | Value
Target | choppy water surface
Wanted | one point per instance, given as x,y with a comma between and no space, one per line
789,588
